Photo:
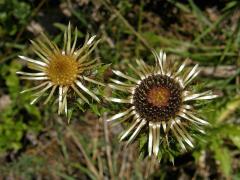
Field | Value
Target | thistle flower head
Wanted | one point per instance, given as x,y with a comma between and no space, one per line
63,70
159,98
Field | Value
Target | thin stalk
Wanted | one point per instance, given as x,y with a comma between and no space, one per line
108,147
139,28
209,29
126,23
88,161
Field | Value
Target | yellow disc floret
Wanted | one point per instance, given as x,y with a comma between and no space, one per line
62,69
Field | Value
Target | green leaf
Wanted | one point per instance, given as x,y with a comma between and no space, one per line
199,14
222,155
95,109
236,140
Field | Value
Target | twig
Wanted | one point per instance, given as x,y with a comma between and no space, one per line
123,162
219,71
108,147
150,166
139,28
100,166
238,77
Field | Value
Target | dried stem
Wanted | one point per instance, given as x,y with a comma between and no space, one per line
88,161
108,147
126,23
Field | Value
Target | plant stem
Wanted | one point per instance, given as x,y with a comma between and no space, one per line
126,23
79,145
108,147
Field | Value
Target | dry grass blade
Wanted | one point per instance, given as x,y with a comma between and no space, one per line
126,23
108,147
79,145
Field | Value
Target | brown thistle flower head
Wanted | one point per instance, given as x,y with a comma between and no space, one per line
160,98
61,71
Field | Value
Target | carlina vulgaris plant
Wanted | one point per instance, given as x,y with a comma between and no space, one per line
61,71
161,102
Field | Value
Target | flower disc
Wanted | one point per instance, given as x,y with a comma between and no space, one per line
62,69
157,98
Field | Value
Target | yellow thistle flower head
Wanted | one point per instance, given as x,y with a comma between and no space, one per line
159,98
61,71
